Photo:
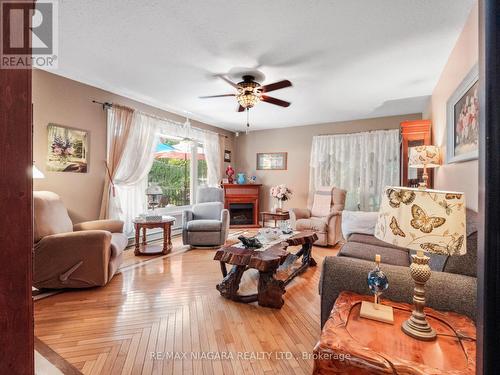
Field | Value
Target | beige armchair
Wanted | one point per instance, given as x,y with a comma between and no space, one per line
66,256
323,215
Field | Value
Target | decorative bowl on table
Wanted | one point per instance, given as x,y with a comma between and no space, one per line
270,234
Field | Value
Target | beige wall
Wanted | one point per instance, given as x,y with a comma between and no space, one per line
297,142
458,176
63,101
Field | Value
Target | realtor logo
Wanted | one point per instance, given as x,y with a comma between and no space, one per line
23,45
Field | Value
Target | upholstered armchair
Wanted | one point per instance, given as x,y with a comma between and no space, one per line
73,256
206,224
323,215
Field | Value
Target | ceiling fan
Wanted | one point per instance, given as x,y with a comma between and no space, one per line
250,92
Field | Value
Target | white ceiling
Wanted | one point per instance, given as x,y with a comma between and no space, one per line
347,59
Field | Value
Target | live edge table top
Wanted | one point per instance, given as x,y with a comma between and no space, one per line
266,260
350,344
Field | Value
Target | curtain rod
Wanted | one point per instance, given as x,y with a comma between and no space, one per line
106,105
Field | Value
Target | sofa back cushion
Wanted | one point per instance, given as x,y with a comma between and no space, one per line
207,211
50,215
466,264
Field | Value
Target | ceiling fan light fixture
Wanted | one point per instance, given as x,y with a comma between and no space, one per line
248,99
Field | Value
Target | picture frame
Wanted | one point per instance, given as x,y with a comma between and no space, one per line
272,160
67,149
462,120
227,156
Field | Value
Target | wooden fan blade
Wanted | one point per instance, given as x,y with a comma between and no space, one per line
241,108
272,100
228,81
276,85
215,96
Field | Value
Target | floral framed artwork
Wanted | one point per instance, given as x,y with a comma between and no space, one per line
227,156
463,120
272,161
67,149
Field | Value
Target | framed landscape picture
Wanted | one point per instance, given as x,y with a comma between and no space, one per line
67,149
463,120
272,161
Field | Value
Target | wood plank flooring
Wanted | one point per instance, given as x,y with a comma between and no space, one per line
166,317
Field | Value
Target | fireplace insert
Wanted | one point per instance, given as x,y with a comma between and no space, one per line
241,213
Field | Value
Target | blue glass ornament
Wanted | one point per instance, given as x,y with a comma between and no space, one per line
377,281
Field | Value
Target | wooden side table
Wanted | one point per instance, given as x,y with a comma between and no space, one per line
143,248
353,345
281,215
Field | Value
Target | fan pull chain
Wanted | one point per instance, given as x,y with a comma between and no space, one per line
248,124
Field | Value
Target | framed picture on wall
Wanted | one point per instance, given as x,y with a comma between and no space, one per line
227,156
272,161
463,120
67,149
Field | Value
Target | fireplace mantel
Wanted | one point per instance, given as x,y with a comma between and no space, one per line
242,201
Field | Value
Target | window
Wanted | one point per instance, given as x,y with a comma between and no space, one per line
179,168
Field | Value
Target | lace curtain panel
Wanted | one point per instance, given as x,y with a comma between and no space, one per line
361,163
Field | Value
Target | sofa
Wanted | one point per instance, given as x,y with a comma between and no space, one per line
73,256
452,286
206,224
322,215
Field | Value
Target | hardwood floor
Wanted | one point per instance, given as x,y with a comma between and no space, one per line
169,306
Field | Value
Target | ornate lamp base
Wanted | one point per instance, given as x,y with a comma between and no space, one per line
417,326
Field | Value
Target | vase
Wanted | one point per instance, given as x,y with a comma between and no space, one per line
241,178
279,206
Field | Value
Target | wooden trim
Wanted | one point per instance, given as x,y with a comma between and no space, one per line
54,358
488,324
16,161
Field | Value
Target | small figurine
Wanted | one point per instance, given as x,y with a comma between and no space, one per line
250,242
230,174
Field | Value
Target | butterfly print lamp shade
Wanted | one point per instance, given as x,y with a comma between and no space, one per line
426,221
426,156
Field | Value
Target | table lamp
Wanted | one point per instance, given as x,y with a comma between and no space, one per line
154,194
36,173
426,221
426,156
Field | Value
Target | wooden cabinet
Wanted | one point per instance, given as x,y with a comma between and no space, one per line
242,201
414,133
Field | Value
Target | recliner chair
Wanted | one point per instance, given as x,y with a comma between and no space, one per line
207,223
323,215
73,256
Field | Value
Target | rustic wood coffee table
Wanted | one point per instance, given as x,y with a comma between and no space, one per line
270,290
358,346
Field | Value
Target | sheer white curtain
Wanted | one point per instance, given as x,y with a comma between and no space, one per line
361,163
131,177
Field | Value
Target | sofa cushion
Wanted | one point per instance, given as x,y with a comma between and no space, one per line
208,210
322,202
50,215
314,223
371,240
365,251
119,242
204,226
466,264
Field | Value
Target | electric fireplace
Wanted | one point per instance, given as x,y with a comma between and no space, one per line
242,201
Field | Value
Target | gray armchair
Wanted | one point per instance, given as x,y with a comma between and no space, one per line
207,223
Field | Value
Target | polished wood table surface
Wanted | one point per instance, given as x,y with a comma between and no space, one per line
279,215
268,262
143,248
353,345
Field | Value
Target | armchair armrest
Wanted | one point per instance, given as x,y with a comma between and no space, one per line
113,226
187,215
444,291
73,259
298,213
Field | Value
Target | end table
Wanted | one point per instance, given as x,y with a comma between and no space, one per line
279,215
353,345
143,248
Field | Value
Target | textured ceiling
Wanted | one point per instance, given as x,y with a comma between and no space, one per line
347,59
